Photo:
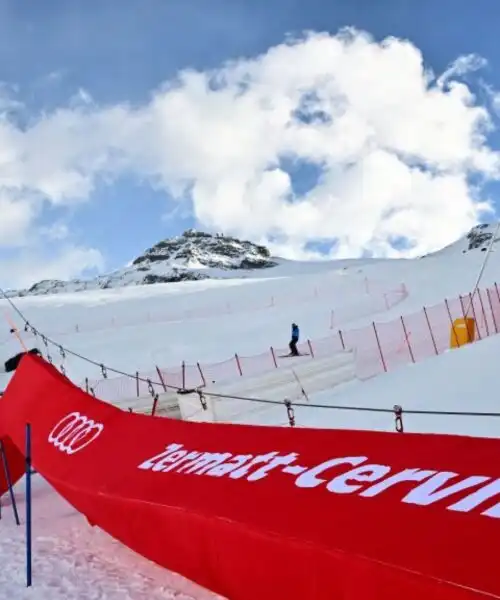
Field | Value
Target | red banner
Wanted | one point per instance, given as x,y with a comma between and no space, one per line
15,464
263,512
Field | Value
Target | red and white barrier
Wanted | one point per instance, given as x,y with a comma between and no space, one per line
266,512
379,347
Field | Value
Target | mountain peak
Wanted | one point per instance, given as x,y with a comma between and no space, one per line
197,249
191,256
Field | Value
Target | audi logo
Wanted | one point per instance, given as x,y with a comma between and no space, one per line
74,432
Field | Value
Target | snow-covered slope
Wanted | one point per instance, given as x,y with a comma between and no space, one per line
140,326
478,238
209,320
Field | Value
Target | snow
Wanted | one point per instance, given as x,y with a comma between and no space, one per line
75,561
136,328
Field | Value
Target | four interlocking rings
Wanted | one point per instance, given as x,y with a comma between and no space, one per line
74,432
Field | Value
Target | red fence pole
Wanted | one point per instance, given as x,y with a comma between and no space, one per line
274,357
341,339
379,347
161,378
238,364
475,317
430,331
462,307
451,321
201,375
310,348
492,311
484,313
407,340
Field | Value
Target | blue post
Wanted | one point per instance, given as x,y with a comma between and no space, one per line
8,479
28,505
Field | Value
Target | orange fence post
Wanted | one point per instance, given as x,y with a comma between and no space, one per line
161,378
430,331
379,347
15,331
407,340
492,311
238,364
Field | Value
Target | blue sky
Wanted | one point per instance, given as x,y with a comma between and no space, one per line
121,51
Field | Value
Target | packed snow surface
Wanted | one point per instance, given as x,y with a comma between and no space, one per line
135,328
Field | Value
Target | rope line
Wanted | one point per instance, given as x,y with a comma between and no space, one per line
104,368
372,409
203,394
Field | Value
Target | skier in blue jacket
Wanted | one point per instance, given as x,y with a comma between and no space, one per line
294,340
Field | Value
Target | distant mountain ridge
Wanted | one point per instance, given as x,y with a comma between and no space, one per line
196,255
192,256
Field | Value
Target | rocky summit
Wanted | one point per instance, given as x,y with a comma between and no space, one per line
192,256
195,249
479,238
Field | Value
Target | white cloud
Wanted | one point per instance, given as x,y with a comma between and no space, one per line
56,231
394,148
462,66
30,266
16,216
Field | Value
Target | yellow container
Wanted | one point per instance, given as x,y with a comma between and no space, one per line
463,332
